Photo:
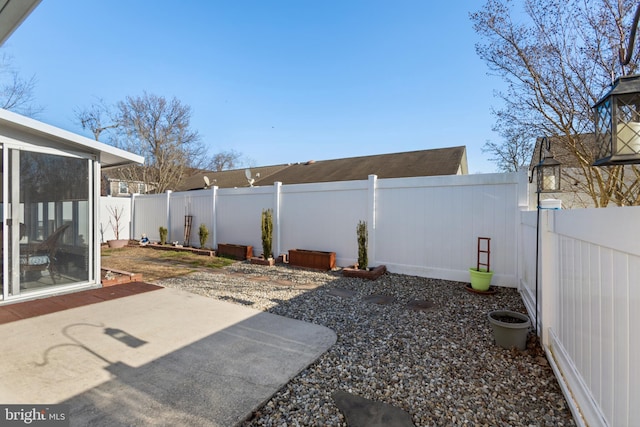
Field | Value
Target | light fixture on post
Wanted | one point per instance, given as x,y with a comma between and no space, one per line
548,170
617,115
548,173
617,119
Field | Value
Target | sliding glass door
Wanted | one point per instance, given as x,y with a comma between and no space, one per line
47,206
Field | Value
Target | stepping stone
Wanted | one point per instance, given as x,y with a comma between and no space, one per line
379,299
421,305
341,292
361,412
259,278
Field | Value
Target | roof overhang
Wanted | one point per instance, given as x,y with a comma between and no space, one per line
12,13
34,130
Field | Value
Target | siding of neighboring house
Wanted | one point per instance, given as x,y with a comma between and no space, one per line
120,188
573,186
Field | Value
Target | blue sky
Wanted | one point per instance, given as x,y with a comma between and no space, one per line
278,81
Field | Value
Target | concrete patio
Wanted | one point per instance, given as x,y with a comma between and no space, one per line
163,356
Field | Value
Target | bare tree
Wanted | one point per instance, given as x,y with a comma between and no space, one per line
225,160
16,93
98,118
558,58
158,129
513,154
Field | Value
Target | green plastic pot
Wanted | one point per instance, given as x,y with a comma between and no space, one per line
480,279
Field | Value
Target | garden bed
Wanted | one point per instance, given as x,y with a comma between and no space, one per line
317,260
239,252
111,277
371,273
197,251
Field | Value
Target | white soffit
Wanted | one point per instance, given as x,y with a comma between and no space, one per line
12,13
108,155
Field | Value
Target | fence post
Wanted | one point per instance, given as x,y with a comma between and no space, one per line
132,217
548,275
277,188
371,220
214,215
168,216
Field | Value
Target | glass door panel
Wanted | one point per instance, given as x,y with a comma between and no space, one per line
48,221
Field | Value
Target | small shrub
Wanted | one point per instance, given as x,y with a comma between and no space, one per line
204,235
267,233
164,233
361,231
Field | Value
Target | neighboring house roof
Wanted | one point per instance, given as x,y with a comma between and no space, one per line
12,13
44,134
440,161
227,179
561,153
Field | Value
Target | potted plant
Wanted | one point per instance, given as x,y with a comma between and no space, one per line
510,328
267,239
361,268
204,235
115,223
164,233
481,277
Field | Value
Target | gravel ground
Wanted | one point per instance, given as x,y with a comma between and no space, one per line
439,364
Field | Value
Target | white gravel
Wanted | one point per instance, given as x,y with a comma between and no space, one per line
440,364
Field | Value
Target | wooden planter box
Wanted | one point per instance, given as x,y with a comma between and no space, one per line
240,252
317,260
371,274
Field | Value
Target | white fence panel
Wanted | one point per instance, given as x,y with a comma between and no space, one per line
150,212
323,217
238,215
106,220
429,226
590,264
197,204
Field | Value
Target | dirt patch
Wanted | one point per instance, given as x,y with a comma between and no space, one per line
155,265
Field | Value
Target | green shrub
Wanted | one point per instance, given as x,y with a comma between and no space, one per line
361,231
163,235
267,233
204,235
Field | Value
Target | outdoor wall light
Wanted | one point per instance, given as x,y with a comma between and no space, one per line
548,170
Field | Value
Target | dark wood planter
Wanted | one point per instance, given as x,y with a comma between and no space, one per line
371,273
261,261
240,252
317,260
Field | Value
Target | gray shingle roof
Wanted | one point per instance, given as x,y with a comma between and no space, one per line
440,161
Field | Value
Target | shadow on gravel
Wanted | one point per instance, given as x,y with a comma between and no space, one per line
422,345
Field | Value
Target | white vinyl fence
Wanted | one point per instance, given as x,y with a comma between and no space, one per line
588,307
110,207
586,301
422,226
